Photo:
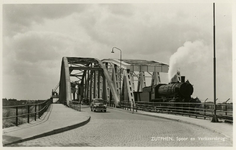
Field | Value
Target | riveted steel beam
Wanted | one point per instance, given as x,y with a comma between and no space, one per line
85,68
65,85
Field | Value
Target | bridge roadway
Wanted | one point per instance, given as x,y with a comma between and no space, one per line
119,127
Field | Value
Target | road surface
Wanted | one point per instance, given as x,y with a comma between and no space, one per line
119,127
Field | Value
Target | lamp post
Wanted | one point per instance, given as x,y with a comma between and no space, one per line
214,118
112,51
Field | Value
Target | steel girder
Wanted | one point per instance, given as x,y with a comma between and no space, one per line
105,79
65,85
132,69
90,81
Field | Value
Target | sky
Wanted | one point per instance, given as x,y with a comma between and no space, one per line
35,37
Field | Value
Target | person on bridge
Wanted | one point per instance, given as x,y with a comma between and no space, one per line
176,77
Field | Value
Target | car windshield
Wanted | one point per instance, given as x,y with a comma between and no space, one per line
99,101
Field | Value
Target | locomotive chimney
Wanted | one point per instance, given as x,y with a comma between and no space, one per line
182,79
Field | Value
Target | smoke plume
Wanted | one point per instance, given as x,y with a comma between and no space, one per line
190,55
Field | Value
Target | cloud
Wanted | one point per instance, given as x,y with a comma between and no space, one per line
158,28
19,17
35,57
122,10
36,37
38,46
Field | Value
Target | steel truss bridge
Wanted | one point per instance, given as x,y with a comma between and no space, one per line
110,79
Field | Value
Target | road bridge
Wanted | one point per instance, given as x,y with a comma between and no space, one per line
114,81
111,79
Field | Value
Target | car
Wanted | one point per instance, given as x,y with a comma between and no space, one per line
98,104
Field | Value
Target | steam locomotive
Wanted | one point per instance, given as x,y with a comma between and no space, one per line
179,91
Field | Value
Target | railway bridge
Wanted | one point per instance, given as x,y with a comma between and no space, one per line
111,79
115,81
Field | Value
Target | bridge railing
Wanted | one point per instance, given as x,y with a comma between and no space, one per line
198,110
75,105
127,105
19,114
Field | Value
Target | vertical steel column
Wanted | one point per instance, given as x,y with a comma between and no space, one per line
28,116
106,93
132,79
65,87
35,111
91,86
141,81
83,85
125,91
155,78
95,84
73,91
79,93
62,84
87,84
16,116
39,108
114,77
106,64
104,89
98,85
